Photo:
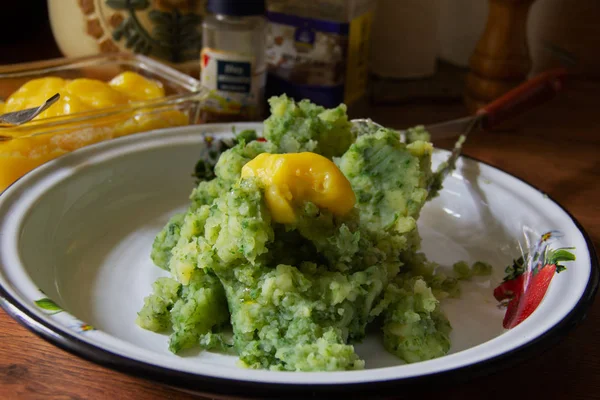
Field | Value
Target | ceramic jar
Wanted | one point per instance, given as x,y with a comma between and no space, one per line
167,30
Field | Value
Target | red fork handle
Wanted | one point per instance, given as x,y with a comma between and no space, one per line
524,97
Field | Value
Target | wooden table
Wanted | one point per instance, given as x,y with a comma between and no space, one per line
556,148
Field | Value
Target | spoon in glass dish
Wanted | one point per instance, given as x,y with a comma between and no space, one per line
20,117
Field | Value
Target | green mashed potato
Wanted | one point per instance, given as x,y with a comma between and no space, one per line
298,296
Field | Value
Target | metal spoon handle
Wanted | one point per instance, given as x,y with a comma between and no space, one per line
22,116
529,94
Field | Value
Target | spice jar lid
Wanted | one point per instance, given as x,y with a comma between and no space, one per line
236,8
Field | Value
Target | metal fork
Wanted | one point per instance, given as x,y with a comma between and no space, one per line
529,94
462,127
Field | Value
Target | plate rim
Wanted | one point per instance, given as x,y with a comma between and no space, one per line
71,343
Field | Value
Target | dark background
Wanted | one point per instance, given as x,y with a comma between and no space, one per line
21,23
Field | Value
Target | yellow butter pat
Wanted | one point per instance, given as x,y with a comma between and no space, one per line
294,178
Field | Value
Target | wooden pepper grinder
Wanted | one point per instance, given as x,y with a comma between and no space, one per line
501,58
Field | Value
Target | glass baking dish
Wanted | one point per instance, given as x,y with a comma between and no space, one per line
25,147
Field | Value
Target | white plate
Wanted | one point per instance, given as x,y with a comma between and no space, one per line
80,229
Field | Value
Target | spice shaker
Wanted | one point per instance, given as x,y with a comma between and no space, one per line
232,60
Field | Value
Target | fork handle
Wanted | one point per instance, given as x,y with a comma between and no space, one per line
530,94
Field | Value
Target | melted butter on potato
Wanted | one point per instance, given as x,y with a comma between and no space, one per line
294,178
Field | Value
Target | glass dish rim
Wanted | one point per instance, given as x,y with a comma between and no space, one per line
65,63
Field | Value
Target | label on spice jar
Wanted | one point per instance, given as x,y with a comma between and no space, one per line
236,88
324,61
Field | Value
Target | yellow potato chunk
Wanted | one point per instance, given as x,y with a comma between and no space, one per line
136,86
95,94
34,93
